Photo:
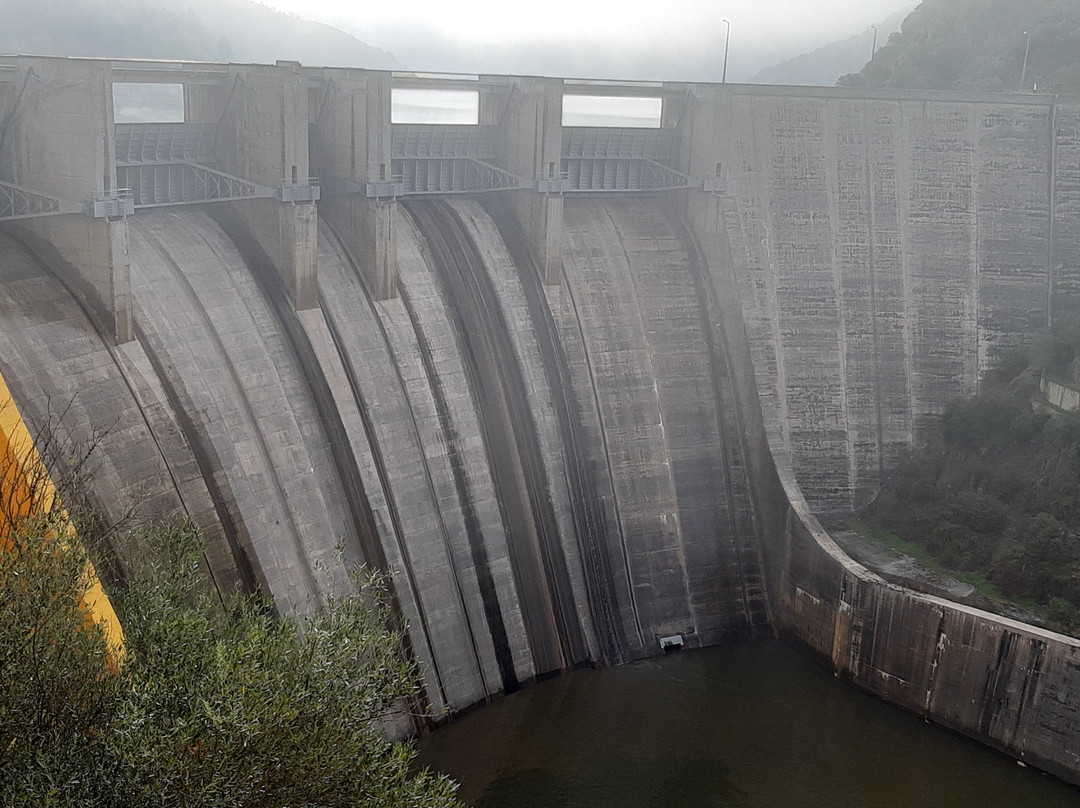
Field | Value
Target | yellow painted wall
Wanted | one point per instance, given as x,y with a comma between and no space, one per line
27,489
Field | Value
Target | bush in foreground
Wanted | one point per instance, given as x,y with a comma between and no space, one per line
214,704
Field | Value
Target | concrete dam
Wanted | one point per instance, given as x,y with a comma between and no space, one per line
577,388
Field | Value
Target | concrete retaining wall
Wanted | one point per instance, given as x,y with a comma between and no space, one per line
1006,684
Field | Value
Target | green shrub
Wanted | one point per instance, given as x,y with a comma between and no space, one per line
215,704
996,495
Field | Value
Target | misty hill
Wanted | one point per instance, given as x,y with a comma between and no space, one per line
981,45
823,66
219,30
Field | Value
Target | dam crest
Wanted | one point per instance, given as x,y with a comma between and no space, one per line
576,387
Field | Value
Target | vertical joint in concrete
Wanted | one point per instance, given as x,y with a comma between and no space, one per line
299,236
119,273
382,253
550,225
378,217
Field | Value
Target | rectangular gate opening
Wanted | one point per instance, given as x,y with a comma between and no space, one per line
615,111
148,103
439,107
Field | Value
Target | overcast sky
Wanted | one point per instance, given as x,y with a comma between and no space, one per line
682,37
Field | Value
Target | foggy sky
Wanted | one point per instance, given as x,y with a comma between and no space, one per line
674,40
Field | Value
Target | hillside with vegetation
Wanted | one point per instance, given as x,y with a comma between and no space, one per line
995,495
822,66
198,30
981,45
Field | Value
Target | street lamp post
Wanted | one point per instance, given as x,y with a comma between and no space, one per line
873,48
727,42
1023,71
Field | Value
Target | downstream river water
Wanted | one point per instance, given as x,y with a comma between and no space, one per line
755,725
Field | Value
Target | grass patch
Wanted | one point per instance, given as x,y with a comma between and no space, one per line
983,586
1059,615
893,542
888,539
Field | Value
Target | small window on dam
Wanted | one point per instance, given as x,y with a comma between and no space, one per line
440,107
148,103
608,110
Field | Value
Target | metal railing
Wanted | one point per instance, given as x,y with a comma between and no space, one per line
423,141
168,164
612,159
156,186
17,202
158,143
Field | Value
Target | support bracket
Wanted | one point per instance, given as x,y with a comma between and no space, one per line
111,205
296,192
17,202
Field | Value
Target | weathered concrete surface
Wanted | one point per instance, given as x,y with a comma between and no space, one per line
465,607
1008,684
886,250
57,139
530,525
351,144
1065,200
634,304
70,380
400,487
224,358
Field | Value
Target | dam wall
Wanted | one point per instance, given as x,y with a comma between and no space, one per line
1007,684
506,565
574,389
887,251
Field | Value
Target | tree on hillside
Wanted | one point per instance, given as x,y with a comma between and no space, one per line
981,45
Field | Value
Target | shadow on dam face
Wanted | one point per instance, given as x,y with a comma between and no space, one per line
568,425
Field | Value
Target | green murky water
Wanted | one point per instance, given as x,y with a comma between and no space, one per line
757,725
